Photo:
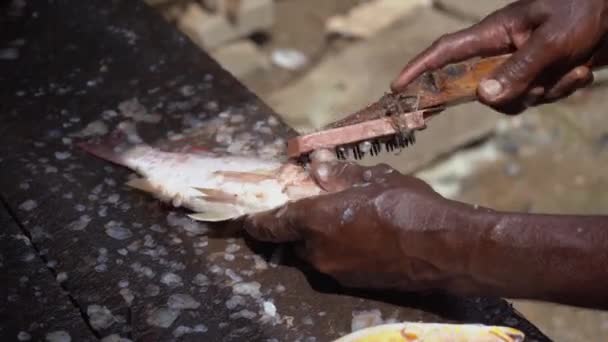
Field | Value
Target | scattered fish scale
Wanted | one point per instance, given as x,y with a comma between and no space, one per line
182,301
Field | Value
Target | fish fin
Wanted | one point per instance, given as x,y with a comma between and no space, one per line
507,334
141,184
214,216
253,177
216,212
215,195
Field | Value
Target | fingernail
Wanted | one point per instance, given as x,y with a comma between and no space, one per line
322,172
491,87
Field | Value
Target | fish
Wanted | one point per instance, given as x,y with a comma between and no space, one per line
434,332
214,186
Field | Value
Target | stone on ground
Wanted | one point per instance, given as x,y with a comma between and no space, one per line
369,18
241,58
210,30
472,9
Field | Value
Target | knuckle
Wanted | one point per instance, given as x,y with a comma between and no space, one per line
517,70
552,44
444,40
553,39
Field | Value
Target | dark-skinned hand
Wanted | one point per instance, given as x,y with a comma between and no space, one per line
554,44
376,228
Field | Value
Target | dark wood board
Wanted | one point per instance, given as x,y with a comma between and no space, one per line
82,62
33,306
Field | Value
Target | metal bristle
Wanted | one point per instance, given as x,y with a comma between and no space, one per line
393,143
341,153
357,152
376,148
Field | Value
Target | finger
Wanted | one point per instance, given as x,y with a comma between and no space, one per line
577,78
277,225
513,78
302,251
336,176
481,39
381,174
534,96
512,108
323,156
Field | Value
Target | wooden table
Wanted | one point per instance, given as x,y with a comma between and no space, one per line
85,257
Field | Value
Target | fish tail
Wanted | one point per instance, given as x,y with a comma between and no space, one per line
103,149
110,147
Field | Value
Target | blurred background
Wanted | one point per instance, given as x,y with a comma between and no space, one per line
314,61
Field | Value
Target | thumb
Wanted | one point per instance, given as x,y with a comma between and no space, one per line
277,225
514,77
336,176
324,167
333,175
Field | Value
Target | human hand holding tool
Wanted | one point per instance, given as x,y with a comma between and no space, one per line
555,46
528,53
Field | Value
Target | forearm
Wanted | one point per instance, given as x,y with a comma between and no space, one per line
546,257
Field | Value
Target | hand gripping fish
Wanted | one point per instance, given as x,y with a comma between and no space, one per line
214,187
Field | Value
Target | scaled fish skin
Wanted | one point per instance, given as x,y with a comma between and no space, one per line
215,187
434,332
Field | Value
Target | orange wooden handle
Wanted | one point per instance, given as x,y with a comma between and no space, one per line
457,83
454,83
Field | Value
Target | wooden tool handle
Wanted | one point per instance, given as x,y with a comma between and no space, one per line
453,84
458,83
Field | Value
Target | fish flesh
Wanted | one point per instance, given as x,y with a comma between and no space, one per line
434,332
215,187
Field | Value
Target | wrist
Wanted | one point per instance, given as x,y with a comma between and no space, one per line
469,256
443,237
547,257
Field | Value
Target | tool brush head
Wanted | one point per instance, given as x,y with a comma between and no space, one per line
374,147
357,140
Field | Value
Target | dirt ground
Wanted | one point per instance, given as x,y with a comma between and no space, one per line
299,25
552,160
